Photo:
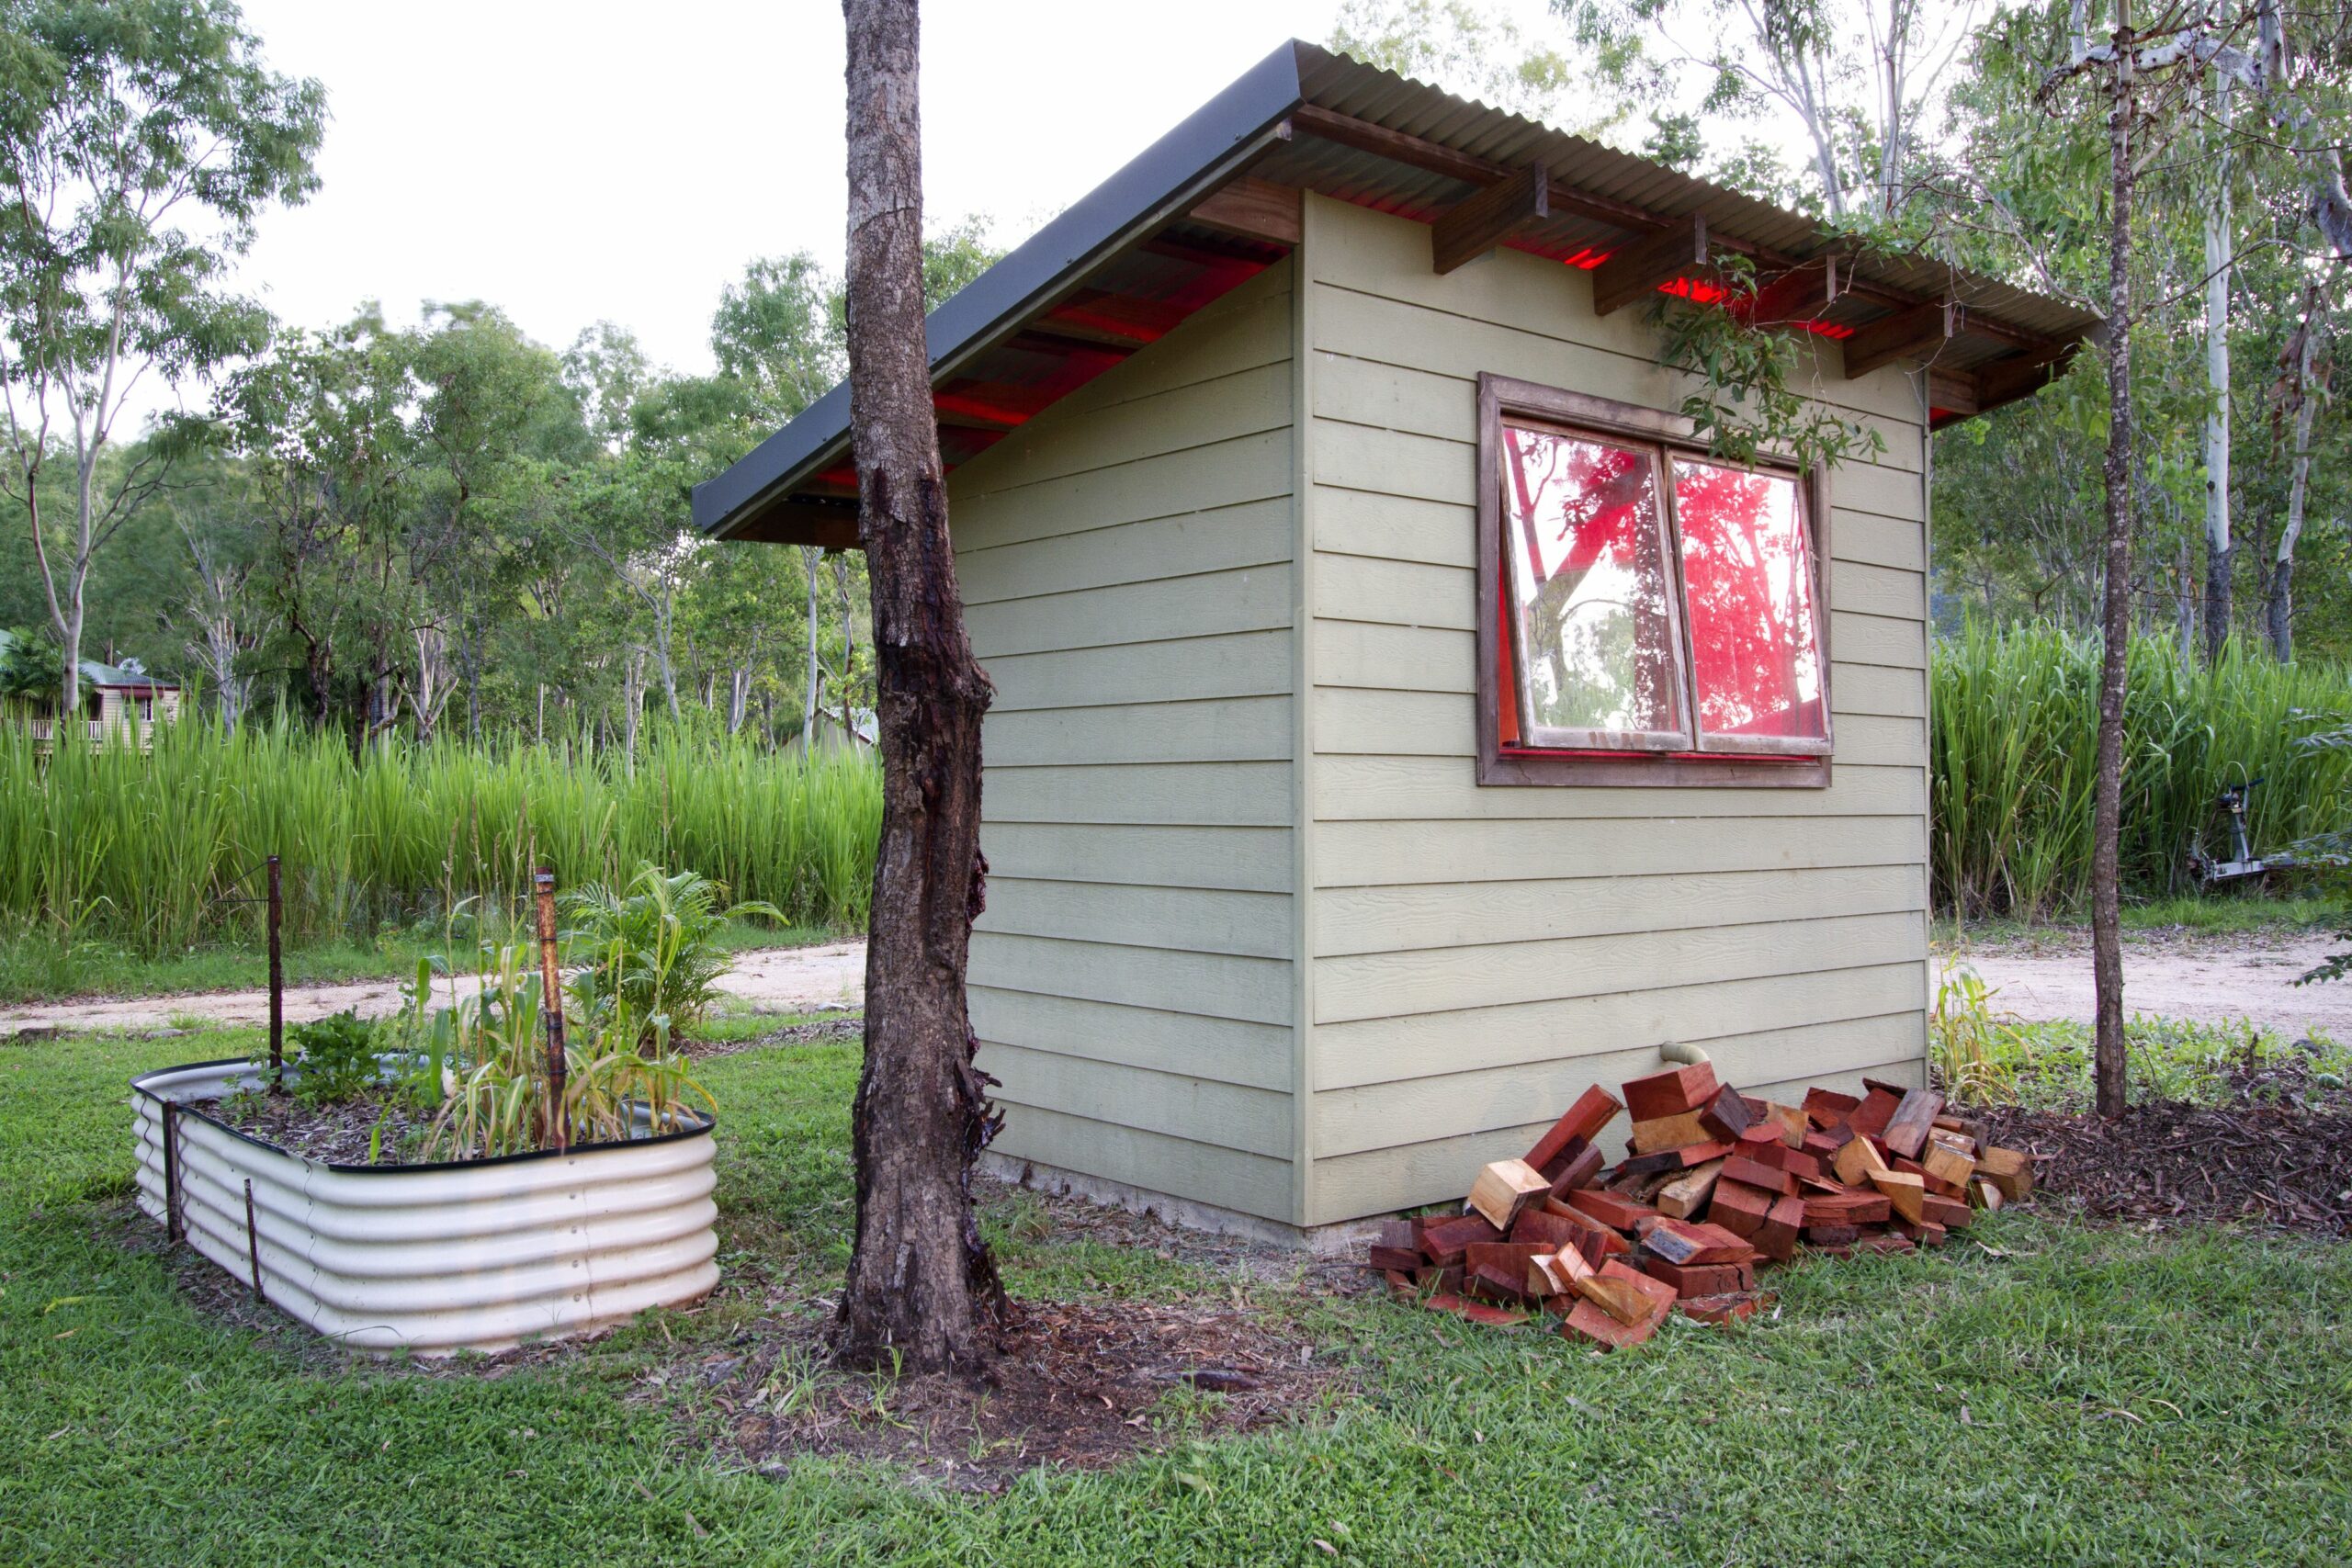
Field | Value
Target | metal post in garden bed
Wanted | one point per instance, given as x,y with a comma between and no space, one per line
276,982
552,986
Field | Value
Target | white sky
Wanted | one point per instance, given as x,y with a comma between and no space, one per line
577,161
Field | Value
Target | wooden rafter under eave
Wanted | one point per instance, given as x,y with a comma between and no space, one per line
1477,225
804,521
1254,208
1635,273
2022,376
1915,333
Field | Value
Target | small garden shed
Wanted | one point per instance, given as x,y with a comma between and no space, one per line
1401,723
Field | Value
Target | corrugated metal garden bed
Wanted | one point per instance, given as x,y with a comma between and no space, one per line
431,1258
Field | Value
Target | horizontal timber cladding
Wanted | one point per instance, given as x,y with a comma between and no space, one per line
1127,558
1478,957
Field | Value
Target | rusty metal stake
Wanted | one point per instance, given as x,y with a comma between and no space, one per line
552,987
276,984
253,1241
170,1171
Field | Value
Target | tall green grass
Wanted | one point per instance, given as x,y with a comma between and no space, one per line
145,849
2013,749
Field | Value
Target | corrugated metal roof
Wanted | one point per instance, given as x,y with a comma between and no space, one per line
1095,244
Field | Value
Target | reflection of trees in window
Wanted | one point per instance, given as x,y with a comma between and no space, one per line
1747,581
1595,628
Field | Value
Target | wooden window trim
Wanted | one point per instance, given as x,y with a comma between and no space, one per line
1501,397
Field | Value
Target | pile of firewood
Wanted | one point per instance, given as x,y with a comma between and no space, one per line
1714,1185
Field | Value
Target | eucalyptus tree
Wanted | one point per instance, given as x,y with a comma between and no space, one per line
140,142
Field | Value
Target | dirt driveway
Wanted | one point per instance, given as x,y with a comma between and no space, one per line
2210,979
781,979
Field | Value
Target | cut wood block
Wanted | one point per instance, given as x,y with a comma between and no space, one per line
1588,1322
1402,1257
1477,1311
1676,1132
1756,1173
1796,1161
1725,1308
1499,1268
1594,1110
1791,1121
1626,1294
1832,1236
1988,1196
1556,1274
1948,1165
2010,1170
1884,1241
1857,1162
1927,1233
1692,1241
1957,1142
1932,1182
1827,1107
1726,1115
1869,1118
1952,1214
1640,1186
1699,1280
1397,1245
1822,1146
1593,1237
1430,1277
1764,1134
1442,1240
1503,1188
1968,1127
1739,1208
1608,1209
1907,1130
1672,1162
1544,1228
1777,1236
1848,1209
1907,1192
1671,1093
1686,1196
1400,1284
1576,1166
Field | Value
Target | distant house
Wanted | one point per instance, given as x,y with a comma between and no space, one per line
120,702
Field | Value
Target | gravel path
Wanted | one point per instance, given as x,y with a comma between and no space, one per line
777,979
2208,979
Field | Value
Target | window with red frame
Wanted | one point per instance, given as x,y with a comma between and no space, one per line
1654,602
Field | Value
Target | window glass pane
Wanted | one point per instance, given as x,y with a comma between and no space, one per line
1591,597
1748,575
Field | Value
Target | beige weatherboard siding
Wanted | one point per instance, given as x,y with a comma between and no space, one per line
1256,938
1128,564
1473,957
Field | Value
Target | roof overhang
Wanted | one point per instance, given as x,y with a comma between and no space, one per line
1204,208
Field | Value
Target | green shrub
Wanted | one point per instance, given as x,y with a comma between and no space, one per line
652,957
2012,744
333,1058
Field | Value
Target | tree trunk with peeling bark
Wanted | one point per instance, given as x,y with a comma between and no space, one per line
2106,799
2218,557
921,1285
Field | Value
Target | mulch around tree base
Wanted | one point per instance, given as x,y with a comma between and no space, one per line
1082,1385
2278,1155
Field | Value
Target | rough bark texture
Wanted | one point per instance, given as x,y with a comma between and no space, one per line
2107,800
921,1282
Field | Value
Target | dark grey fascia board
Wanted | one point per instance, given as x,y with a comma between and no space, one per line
1218,137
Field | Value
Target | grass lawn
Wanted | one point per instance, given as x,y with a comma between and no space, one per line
2036,1392
36,966
2221,914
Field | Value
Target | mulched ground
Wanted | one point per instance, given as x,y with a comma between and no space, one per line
845,1026
2276,1153
1076,1384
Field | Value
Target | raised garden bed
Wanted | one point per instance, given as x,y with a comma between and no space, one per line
468,1255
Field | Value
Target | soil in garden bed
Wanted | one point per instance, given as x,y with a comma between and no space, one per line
346,1132
2278,1152
1082,1385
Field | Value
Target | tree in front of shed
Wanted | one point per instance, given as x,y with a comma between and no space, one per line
921,1284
